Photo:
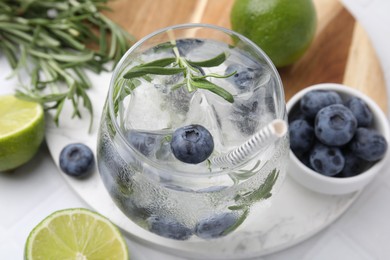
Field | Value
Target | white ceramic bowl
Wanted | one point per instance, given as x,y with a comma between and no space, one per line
333,185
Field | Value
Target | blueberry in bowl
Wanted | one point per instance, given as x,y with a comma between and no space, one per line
339,138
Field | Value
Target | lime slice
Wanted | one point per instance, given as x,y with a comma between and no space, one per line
21,131
76,234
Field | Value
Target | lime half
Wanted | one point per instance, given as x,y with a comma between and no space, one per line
76,234
21,131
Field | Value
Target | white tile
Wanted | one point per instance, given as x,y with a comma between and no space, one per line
367,222
62,198
16,195
10,250
336,246
3,235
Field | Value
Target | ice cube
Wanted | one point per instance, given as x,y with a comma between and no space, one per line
254,108
146,109
245,78
187,45
154,145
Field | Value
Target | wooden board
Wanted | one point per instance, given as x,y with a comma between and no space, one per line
340,53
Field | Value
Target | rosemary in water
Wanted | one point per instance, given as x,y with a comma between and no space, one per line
51,41
193,78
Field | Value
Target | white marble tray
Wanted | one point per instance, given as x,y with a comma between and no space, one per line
295,214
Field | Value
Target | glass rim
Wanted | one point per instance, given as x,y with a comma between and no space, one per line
118,67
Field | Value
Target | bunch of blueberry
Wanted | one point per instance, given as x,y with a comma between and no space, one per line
335,137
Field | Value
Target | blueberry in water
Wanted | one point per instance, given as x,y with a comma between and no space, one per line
313,101
186,45
169,228
180,98
77,160
368,144
215,226
192,144
326,160
335,125
143,142
301,136
360,110
353,165
245,115
244,77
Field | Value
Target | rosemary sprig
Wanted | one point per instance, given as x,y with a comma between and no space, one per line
53,42
193,77
245,201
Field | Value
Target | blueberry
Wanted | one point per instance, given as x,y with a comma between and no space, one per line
244,77
368,144
326,160
296,114
192,144
143,142
301,136
360,110
169,228
335,125
186,45
77,160
305,159
353,165
245,115
215,226
313,101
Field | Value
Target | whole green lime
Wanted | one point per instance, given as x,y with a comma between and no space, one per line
283,29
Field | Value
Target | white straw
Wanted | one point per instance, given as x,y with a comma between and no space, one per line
268,134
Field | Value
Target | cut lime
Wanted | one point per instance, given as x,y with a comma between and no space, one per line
21,131
76,234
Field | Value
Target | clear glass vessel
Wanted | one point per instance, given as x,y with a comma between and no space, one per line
211,77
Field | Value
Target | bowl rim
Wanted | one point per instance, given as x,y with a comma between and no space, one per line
381,121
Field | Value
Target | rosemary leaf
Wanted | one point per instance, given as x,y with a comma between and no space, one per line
161,62
213,62
205,84
69,57
51,41
239,221
156,70
214,75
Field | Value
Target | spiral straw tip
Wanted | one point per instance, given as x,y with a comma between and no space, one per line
280,127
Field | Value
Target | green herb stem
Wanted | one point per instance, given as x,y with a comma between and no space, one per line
193,78
52,41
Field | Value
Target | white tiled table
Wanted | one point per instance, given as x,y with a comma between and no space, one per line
37,189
